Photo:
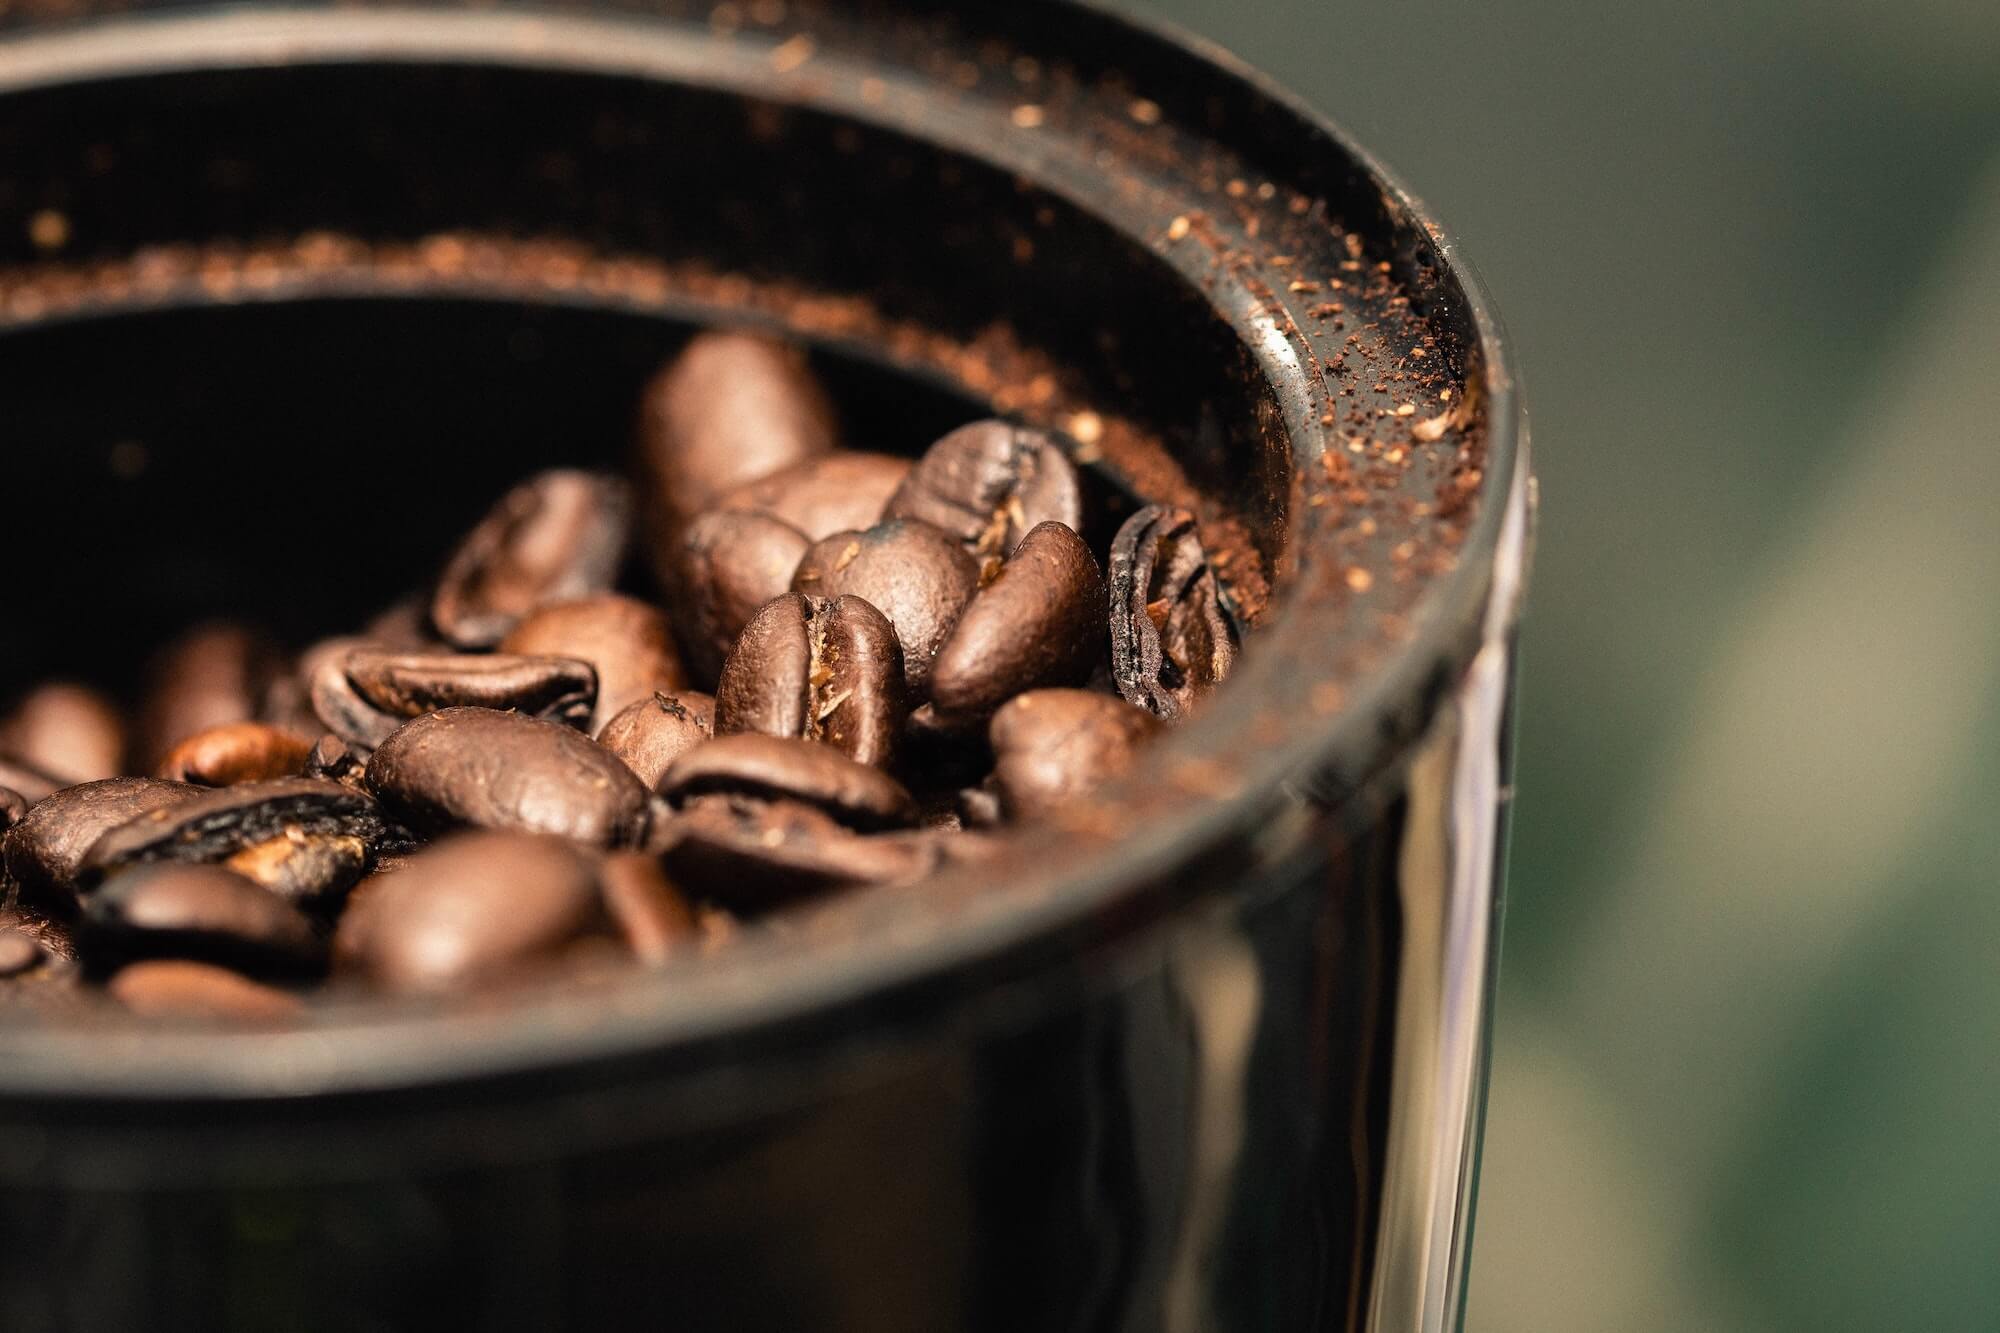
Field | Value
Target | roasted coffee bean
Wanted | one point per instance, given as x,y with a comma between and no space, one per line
909,571
12,806
473,907
557,536
177,988
1052,747
198,911
368,694
831,493
731,564
655,918
217,674
654,732
1171,640
806,771
819,670
754,854
628,643
236,752
989,484
222,823
29,781
310,869
730,409
68,730
979,807
1040,622
18,953
494,770
46,849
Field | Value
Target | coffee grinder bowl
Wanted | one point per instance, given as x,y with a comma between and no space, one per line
288,292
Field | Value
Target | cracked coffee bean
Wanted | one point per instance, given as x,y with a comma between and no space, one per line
1171,639
46,849
557,536
818,670
989,484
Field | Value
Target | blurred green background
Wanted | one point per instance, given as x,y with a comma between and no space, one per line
1748,1065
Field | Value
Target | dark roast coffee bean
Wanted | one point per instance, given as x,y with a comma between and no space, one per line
628,643
306,868
18,953
368,694
730,409
177,988
818,670
1040,622
29,781
805,771
46,849
503,771
12,806
753,854
655,918
1171,640
236,752
68,730
198,911
732,564
988,484
832,493
909,571
217,674
221,823
557,536
473,907
1052,747
654,732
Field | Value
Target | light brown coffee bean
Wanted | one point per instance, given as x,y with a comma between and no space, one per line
68,730
654,732
236,752
177,988
627,642
655,918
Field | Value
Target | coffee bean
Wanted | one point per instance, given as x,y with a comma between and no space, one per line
731,565
818,670
824,495
46,849
236,752
805,771
911,572
1171,640
989,483
222,823
1053,747
651,734
12,806
198,911
29,781
368,694
730,409
752,854
655,918
628,643
216,674
475,906
177,988
18,953
493,770
1040,622
68,730
558,536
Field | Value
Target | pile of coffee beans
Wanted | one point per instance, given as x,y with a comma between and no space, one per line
854,669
